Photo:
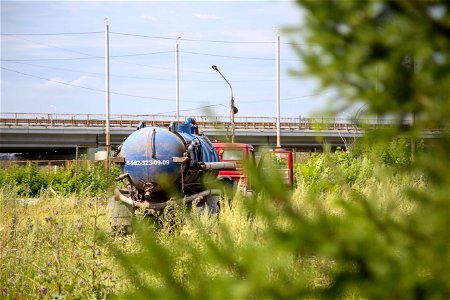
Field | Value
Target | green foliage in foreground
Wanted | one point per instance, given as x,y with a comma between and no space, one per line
372,230
370,233
31,180
391,55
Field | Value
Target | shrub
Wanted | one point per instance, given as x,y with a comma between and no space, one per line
31,179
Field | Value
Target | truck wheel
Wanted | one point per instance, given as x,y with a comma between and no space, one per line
211,205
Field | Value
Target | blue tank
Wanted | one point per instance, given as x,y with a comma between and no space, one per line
175,156
148,153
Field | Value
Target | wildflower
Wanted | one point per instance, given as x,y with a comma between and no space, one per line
43,290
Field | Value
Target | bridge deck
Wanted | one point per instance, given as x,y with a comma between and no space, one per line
35,132
128,121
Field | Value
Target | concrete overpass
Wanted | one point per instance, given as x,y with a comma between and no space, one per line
19,139
63,133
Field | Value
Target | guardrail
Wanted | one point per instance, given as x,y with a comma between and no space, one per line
241,123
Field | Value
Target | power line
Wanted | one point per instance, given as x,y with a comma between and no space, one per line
204,40
86,72
148,53
93,73
197,108
53,59
237,57
143,54
151,37
137,96
287,99
143,36
89,88
55,33
90,57
48,45
138,77
192,40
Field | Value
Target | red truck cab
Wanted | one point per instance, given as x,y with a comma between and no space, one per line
237,153
279,160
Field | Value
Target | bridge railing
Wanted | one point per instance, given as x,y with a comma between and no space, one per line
241,123
219,122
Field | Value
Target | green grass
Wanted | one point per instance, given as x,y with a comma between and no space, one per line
356,226
52,248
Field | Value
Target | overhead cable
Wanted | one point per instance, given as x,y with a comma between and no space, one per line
192,40
51,46
203,40
135,77
287,99
136,96
197,108
54,33
152,37
89,88
90,57
238,57
149,53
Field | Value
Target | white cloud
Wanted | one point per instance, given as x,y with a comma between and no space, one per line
150,19
54,82
59,82
80,81
206,16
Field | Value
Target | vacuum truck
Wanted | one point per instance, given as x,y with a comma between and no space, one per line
162,166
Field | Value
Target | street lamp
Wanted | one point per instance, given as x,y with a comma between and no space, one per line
233,109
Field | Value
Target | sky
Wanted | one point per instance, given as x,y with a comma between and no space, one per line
52,58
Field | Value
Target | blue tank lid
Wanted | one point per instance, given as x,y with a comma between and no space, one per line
188,127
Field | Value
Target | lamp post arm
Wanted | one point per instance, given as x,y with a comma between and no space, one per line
231,88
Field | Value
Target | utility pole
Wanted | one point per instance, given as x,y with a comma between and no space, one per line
177,105
108,137
278,88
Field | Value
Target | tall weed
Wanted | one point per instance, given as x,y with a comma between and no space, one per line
52,249
354,227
